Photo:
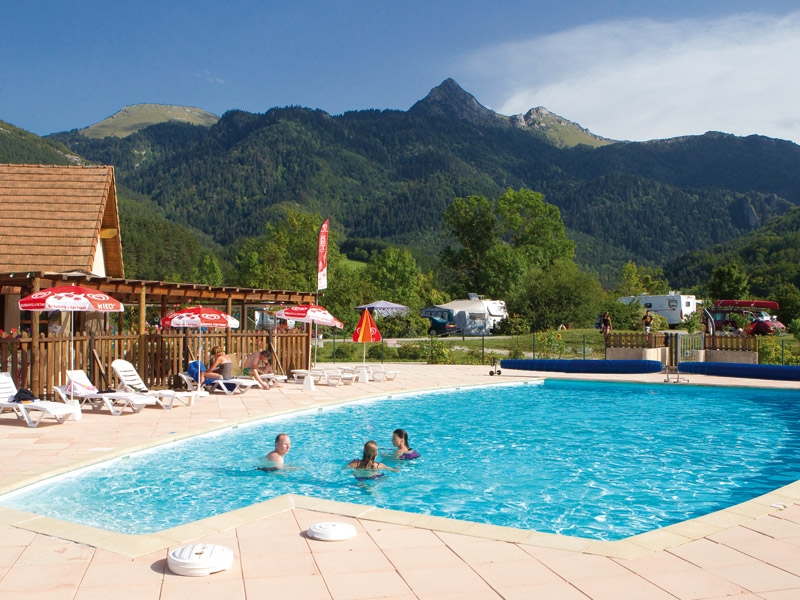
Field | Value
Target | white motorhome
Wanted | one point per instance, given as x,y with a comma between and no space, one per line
674,307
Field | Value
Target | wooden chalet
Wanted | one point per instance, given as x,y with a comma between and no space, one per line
61,225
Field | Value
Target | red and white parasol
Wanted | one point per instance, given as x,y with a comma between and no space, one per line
309,313
71,298
199,316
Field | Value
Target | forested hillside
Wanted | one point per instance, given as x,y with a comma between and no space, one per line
389,175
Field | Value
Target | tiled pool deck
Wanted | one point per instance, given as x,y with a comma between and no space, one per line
749,551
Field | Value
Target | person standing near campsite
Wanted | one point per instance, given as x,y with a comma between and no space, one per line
647,320
258,363
606,322
282,446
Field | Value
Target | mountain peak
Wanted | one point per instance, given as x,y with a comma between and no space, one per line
449,99
138,116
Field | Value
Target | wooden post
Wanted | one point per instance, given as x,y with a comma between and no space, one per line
229,333
142,326
35,373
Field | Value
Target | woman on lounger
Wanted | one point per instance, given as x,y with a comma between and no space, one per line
400,441
367,466
221,366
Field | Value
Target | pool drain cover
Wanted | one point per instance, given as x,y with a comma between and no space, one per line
331,531
198,560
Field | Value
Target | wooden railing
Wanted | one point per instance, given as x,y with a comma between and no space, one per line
635,340
166,354
736,343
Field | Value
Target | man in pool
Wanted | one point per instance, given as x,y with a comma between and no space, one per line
275,458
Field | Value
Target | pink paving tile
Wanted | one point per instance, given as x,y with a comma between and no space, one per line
774,527
277,545
439,582
681,578
365,585
405,538
123,572
128,592
280,524
758,577
34,578
619,587
52,551
9,555
771,551
707,554
307,587
555,591
256,566
352,561
778,595
578,567
423,556
516,573
207,588
11,536
488,551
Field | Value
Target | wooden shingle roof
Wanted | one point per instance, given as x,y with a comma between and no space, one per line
58,219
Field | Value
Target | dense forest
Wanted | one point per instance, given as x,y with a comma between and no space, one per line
213,204
389,175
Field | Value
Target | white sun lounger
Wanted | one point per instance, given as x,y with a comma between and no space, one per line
381,374
27,411
129,381
234,385
80,388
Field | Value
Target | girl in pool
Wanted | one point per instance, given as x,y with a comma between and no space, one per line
400,441
368,463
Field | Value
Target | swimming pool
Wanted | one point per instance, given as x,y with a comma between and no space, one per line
597,460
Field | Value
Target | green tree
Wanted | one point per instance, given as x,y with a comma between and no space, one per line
472,223
395,276
497,242
532,225
728,282
557,295
635,280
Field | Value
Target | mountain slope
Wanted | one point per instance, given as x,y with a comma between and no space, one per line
388,175
131,119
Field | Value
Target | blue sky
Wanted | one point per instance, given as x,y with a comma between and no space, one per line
625,69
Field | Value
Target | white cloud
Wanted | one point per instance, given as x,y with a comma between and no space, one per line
640,80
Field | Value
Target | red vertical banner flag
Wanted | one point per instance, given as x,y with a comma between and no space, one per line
322,257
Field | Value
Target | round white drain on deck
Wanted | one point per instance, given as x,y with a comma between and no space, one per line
332,531
198,560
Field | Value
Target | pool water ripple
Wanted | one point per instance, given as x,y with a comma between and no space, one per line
597,460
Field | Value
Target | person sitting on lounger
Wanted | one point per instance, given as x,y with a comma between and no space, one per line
258,363
221,366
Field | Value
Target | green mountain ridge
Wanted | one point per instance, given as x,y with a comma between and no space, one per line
387,175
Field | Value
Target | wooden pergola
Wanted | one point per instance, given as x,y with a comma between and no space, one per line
142,293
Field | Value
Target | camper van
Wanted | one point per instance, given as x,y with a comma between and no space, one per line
674,307
474,316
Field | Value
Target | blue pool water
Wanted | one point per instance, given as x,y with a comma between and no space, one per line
596,460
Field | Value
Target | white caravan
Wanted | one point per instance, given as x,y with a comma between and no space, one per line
674,307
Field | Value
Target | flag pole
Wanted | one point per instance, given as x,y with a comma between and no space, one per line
322,273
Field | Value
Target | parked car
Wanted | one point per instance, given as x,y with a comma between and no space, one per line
442,328
760,322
